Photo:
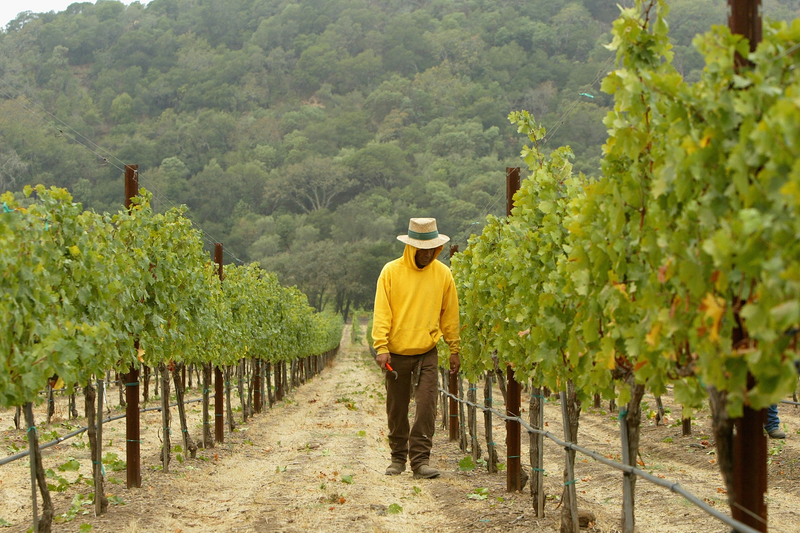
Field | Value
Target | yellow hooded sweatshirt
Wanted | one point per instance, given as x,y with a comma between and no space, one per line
415,306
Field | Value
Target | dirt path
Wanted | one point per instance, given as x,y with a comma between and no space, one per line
315,463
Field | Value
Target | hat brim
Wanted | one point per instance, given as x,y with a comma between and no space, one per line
424,245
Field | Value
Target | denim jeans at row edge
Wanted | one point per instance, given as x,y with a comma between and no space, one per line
773,422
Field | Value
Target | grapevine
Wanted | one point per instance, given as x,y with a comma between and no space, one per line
80,287
680,264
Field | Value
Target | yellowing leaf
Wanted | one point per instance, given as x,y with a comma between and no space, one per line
139,354
705,140
621,288
652,337
612,360
713,307
689,145
74,251
791,189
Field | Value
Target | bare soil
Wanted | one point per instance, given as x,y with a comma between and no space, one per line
316,462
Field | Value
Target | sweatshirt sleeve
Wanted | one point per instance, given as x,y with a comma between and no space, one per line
449,317
382,316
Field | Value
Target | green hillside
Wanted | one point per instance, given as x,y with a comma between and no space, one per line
304,135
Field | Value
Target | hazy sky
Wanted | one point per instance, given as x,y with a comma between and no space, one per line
9,9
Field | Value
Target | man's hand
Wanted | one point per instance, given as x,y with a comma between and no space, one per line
455,363
382,359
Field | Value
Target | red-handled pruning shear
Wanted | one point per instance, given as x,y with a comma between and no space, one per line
392,370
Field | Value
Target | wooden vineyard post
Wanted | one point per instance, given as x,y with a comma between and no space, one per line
513,440
744,18
627,480
537,451
250,379
32,443
453,386
276,376
100,500
240,386
51,401
749,469
166,447
686,426
208,442
491,465
228,405
219,406
268,383
263,383
475,444
443,399
256,385
453,408
133,439
749,441
571,500
462,427
219,398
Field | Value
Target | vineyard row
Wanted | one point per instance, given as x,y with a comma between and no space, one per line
569,446
679,265
84,294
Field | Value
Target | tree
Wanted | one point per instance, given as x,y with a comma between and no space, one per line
122,109
379,165
311,185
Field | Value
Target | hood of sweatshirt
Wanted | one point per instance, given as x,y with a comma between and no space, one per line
410,252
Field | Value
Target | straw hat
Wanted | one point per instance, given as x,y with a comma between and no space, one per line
422,233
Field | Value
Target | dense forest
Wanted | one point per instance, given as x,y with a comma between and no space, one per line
304,134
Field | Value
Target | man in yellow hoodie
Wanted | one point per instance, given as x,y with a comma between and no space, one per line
415,304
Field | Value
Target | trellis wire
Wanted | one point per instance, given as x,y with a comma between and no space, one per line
673,487
25,453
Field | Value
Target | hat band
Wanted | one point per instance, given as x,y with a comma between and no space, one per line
428,236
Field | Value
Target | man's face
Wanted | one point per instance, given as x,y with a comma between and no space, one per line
424,257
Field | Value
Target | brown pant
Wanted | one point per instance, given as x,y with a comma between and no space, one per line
416,444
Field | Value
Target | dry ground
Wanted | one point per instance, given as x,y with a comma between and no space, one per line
316,462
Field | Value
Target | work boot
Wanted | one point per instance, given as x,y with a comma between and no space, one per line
425,472
776,433
395,469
